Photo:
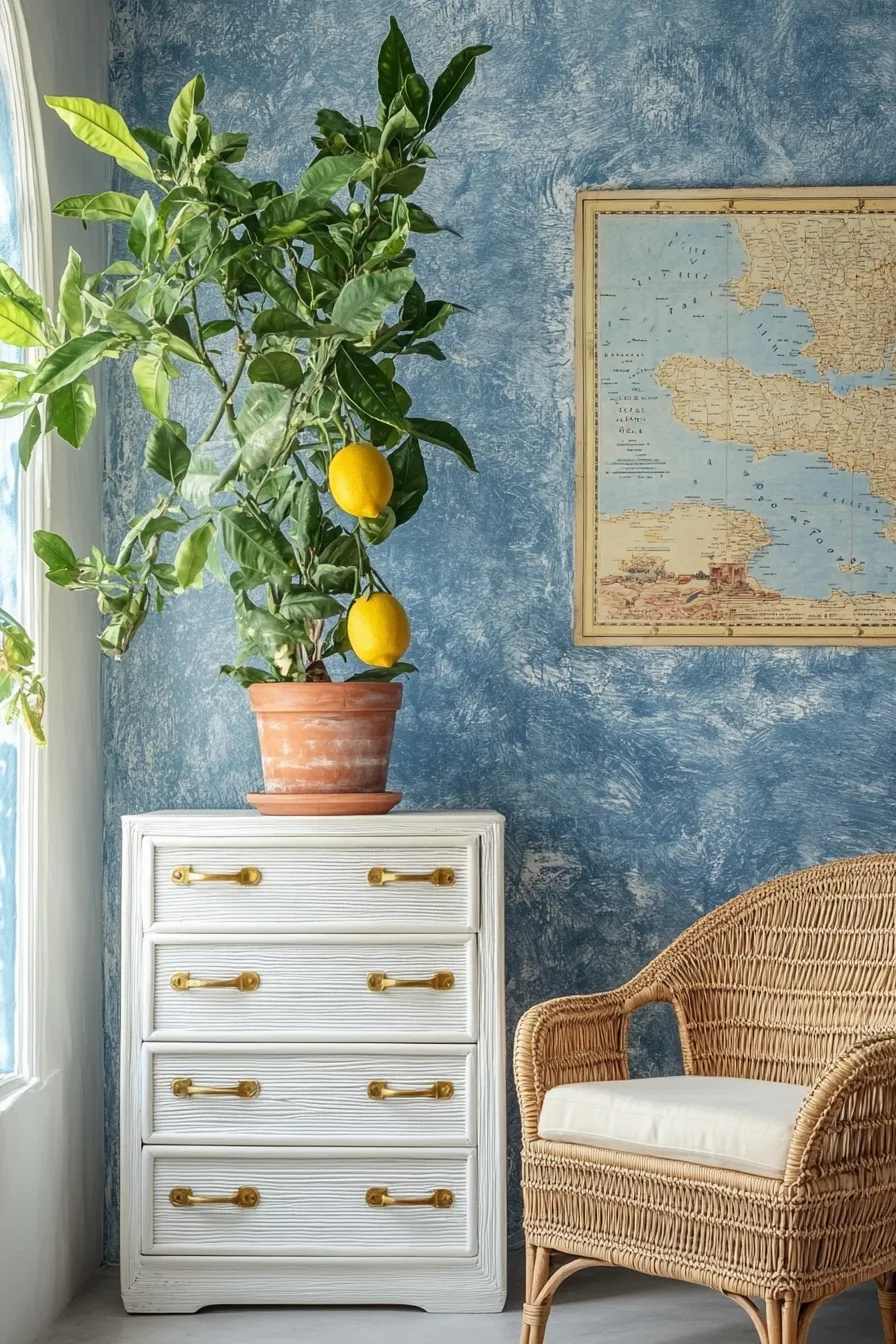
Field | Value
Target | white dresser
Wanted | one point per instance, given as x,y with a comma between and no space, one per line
312,1061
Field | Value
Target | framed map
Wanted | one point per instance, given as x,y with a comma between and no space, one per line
736,417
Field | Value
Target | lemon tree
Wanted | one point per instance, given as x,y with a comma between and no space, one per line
300,303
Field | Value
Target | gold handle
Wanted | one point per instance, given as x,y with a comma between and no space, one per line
245,982
377,981
183,875
378,1197
439,877
378,1089
247,1197
247,1088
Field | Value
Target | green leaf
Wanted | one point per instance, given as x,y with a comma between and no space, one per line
452,81
405,181
277,366
384,673
415,95
306,514
446,436
18,326
336,578
230,147
59,558
410,483
70,410
230,189
167,453
377,529
362,301
395,63
105,130
11,283
153,384
29,436
287,215
217,328
425,348
254,546
101,205
197,486
70,360
261,423
327,176
70,306
366,388
277,322
183,107
279,289
247,675
402,122
436,314
192,554
421,222
304,604
145,236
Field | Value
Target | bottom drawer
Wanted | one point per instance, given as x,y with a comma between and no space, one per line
311,1201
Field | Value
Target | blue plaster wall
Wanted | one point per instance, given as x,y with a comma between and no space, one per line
641,787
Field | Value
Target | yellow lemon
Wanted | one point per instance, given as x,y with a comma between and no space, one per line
360,480
378,629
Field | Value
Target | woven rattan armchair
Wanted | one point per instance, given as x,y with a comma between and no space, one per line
792,982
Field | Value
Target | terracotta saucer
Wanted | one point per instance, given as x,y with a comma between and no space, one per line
322,804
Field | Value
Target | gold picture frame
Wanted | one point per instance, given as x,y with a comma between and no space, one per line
862,624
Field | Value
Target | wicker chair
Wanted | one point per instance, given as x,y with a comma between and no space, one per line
794,982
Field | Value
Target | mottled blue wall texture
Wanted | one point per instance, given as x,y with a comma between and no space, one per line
641,786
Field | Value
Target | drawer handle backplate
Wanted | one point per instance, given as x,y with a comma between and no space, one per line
248,1088
378,1089
247,1197
183,875
439,877
245,982
377,981
378,1197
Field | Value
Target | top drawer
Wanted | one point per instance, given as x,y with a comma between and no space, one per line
351,883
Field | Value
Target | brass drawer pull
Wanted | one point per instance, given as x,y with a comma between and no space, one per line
245,982
377,981
183,875
247,1088
439,877
378,1089
247,1197
378,1197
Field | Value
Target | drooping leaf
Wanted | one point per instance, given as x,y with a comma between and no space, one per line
336,578
192,554
277,322
445,435
246,675
306,514
435,316
279,289
167,453
363,300
153,384
105,130
377,529
254,546
183,107
99,205
409,479
70,360
367,388
18,326
72,282
401,123
405,181
384,673
29,436
218,327
288,215
395,63
59,558
71,409
421,222
11,283
197,486
277,366
261,423
452,81
230,147
327,176
304,604
145,236
232,190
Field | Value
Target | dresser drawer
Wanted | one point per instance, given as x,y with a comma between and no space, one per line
309,987
309,1202
312,1094
356,884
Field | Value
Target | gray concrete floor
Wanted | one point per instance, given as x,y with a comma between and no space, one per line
595,1307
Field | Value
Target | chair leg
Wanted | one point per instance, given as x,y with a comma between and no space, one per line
886,1294
535,1318
785,1322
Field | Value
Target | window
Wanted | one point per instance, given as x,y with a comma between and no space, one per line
24,244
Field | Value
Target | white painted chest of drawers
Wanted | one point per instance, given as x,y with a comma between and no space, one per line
297,1127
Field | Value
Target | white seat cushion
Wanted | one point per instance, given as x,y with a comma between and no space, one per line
738,1123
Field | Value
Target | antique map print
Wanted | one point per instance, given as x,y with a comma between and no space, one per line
737,417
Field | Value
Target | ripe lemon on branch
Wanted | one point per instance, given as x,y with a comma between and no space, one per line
378,629
360,480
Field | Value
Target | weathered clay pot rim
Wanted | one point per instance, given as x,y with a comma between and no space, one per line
331,697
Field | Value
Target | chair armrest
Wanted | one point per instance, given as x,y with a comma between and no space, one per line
577,1039
848,1121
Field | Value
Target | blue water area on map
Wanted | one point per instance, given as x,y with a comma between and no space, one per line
664,290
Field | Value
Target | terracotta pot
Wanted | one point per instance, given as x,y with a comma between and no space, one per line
325,737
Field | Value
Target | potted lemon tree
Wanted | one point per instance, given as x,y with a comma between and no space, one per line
299,304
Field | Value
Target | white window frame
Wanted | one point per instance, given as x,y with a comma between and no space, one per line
34,215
